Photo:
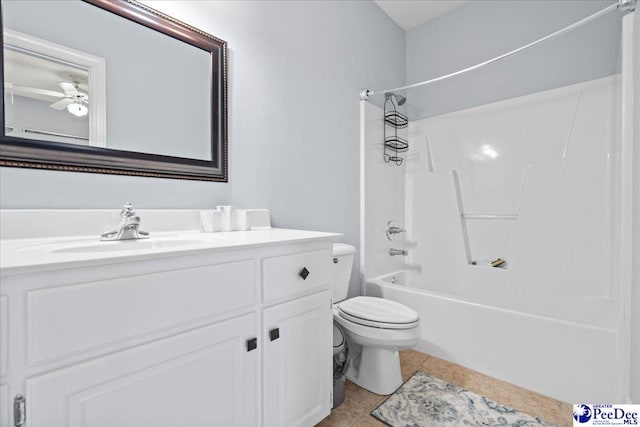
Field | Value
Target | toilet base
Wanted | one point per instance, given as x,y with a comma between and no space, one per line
377,370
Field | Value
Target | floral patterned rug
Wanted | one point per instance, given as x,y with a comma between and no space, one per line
427,401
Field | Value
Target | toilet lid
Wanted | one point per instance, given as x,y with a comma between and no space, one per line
378,312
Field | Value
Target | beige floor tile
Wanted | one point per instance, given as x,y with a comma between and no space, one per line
345,415
408,370
369,421
355,411
377,403
412,357
564,417
364,397
337,420
441,369
353,408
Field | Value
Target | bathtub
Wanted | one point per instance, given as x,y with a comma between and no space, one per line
565,348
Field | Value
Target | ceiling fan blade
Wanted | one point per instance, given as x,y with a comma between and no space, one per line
26,91
62,104
68,88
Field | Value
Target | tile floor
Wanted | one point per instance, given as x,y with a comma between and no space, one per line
358,403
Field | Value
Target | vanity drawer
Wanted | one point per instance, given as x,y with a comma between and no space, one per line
283,276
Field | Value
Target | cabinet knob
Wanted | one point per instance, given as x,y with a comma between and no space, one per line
274,334
304,273
252,344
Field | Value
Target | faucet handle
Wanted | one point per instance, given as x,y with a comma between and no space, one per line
392,230
127,210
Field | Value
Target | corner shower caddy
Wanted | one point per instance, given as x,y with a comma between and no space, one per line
393,144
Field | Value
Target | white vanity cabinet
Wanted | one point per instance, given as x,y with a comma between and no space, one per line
296,377
238,336
202,377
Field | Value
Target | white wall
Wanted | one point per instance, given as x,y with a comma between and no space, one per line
295,71
481,30
635,291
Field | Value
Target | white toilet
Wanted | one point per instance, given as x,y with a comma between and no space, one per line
376,329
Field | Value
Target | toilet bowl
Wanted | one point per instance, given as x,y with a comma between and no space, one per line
376,330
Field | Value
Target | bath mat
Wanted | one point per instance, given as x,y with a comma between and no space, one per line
425,401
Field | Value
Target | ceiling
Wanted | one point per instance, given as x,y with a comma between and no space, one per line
413,13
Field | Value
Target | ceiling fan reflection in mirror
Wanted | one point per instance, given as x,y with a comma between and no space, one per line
75,101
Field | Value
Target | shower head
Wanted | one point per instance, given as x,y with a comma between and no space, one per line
399,98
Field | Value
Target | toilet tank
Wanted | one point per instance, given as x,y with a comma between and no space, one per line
341,270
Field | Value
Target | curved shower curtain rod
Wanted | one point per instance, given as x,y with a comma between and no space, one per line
623,5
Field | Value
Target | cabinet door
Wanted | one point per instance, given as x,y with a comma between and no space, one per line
297,361
204,377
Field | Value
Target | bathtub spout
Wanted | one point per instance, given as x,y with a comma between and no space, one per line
394,252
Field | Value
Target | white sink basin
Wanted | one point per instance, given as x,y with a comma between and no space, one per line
89,246
125,245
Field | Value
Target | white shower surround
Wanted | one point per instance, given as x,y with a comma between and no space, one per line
553,320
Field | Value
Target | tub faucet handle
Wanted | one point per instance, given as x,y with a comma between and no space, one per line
392,230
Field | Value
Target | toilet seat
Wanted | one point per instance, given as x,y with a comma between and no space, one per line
378,313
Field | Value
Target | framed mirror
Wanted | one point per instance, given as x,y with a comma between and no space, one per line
111,86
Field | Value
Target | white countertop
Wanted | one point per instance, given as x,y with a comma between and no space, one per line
28,255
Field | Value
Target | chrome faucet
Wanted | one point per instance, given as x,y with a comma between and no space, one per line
394,252
129,227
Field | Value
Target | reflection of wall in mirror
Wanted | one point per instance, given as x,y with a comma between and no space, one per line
161,106
27,117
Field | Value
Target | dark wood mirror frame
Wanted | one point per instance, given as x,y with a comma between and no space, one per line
27,153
